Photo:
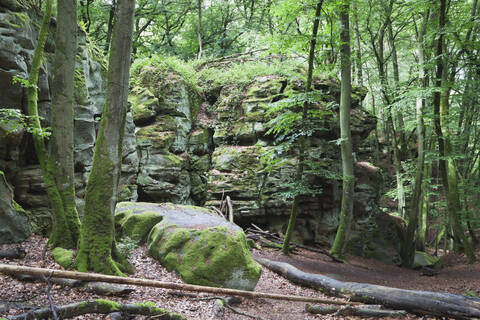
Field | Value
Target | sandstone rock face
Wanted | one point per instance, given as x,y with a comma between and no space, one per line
17,156
14,225
203,248
226,149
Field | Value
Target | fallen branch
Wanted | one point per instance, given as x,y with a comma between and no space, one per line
15,269
230,209
97,306
50,300
274,237
219,213
420,302
230,57
100,288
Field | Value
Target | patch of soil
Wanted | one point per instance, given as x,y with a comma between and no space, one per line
456,277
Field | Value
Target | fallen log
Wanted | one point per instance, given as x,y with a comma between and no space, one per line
100,288
365,311
97,306
53,273
419,302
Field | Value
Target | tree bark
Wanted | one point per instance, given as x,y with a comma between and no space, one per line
419,302
346,213
65,231
97,250
66,224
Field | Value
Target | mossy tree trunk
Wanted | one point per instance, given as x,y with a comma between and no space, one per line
446,164
97,250
57,166
301,147
346,213
66,226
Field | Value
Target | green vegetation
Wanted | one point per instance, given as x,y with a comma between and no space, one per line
63,257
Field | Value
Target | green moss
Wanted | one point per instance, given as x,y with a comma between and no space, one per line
17,207
144,104
148,304
156,136
137,226
63,257
213,257
81,93
471,293
107,305
97,250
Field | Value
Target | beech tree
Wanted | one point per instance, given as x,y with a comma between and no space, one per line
57,163
346,211
97,250
301,148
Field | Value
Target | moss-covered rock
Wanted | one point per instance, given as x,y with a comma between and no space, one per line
143,105
203,248
423,259
63,257
14,226
200,142
135,224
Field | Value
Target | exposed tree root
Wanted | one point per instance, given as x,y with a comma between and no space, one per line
420,302
97,306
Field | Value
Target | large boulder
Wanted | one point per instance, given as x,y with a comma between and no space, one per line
13,221
203,248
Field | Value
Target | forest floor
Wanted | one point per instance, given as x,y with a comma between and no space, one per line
455,277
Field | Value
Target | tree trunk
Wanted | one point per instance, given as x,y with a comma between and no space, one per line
346,213
66,225
97,250
358,46
199,31
301,148
111,21
400,123
408,245
446,164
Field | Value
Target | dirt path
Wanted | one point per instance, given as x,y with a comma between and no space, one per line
454,278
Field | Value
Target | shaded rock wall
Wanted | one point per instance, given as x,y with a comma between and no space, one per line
14,225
